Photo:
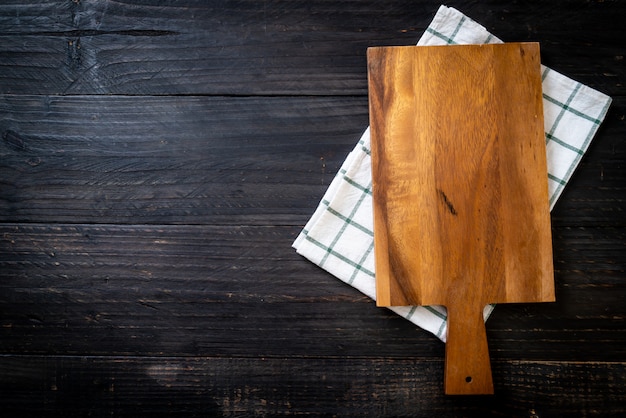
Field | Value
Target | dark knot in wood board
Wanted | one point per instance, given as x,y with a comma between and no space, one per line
447,202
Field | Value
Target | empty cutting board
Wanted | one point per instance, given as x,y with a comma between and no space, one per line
461,211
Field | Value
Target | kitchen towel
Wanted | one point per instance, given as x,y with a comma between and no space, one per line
339,235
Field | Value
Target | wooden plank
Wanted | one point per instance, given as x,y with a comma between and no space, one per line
201,386
221,290
171,159
280,47
182,160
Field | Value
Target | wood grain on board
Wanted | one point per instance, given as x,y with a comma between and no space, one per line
461,212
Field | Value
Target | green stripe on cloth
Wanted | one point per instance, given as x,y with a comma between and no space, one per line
345,224
584,147
361,262
365,189
436,312
350,221
558,180
458,27
441,316
441,36
439,332
552,138
364,147
562,112
339,256
565,106
411,312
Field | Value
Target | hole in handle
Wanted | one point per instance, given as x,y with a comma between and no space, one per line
468,379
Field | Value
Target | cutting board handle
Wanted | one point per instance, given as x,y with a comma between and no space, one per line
467,369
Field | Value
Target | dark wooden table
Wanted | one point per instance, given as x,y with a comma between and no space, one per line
157,159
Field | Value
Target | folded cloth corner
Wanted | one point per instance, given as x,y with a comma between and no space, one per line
339,236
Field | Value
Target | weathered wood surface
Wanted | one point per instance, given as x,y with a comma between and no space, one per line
278,47
238,386
171,159
158,158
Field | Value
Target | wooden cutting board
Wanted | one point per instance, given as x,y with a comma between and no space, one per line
461,211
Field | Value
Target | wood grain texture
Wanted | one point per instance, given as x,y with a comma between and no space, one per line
210,386
458,157
272,47
171,160
461,214
158,158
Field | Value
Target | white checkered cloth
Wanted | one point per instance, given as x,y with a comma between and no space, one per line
339,235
